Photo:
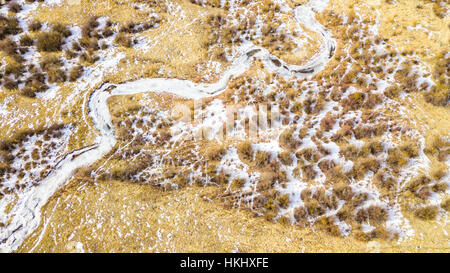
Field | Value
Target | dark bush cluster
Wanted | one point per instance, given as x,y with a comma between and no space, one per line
7,146
50,41
9,26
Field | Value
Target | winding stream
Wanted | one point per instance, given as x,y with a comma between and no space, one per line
27,211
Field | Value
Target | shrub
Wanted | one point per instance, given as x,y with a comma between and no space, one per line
35,26
396,158
297,108
28,92
392,92
283,201
88,27
373,147
267,180
10,84
373,214
6,145
439,145
378,233
355,101
309,172
439,187
272,177
439,173
300,214
285,158
75,73
89,43
70,54
306,194
328,224
419,182
262,158
310,154
410,149
288,140
351,152
343,191
49,62
9,26
62,29
34,86
245,150
215,152
129,27
14,68
26,40
238,182
9,47
36,75
56,75
76,46
364,165
424,193
22,50
5,156
427,213
132,27
439,96
367,131
314,208
446,204
328,122
50,41
89,57
4,168
107,32
384,181
104,46
345,213
439,10
373,100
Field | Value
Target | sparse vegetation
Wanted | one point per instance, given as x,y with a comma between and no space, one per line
262,158
26,40
439,147
50,41
374,214
215,152
288,140
245,150
75,73
35,26
446,204
353,131
427,213
14,7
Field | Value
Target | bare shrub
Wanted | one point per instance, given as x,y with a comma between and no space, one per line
123,40
427,213
50,41
373,213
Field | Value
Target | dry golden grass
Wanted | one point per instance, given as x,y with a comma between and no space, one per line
120,216
76,11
